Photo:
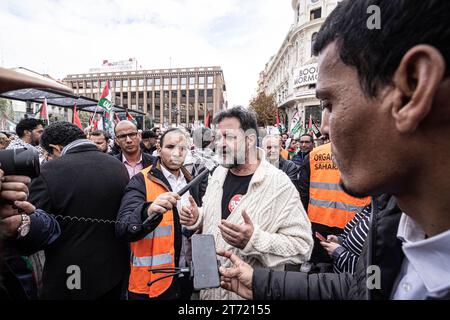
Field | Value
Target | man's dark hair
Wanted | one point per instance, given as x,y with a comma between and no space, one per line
246,117
155,128
101,133
27,124
149,134
311,139
60,133
161,141
377,53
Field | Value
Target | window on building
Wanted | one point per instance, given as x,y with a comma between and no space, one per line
209,92
166,81
210,79
191,95
149,81
191,80
141,82
174,95
118,83
313,40
201,80
125,82
298,12
125,96
183,80
316,14
157,82
166,94
201,93
157,95
133,82
174,81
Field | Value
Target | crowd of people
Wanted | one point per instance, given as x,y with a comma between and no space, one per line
292,217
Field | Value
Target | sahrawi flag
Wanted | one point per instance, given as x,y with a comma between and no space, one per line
106,104
296,125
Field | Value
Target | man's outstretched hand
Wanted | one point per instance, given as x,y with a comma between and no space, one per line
238,278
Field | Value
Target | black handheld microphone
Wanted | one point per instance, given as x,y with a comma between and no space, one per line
209,166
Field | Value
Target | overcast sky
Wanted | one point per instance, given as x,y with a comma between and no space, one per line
60,37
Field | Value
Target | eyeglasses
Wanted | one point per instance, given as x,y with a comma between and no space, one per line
123,137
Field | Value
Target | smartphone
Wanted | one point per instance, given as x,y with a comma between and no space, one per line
204,260
320,237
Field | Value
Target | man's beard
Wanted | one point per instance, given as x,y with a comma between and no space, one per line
237,160
274,162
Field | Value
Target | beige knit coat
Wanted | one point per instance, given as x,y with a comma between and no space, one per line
282,231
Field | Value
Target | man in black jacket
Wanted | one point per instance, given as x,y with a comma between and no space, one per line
272,146
82,186
166,173
369,94
129,139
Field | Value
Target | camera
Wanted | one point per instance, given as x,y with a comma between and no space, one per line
21,162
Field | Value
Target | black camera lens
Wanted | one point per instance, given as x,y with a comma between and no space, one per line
21,162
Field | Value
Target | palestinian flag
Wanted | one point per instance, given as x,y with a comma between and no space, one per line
130,117
106,104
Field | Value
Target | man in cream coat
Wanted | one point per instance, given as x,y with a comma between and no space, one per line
250,207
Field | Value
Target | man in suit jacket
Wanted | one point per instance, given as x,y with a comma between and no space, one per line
129,139
86,261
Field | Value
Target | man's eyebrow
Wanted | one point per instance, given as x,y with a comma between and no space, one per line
321,93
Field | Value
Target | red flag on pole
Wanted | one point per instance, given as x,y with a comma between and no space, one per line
76,119
43,115
207,120
116,118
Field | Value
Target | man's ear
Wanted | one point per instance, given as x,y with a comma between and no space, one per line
416,82
57,149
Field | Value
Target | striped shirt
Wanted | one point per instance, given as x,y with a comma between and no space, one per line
352,242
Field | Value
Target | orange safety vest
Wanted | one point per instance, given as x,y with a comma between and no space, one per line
156,250
284,154
328,204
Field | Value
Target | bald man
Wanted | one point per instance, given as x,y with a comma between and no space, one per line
129,138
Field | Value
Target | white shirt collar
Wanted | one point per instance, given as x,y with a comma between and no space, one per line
124,160
170,176
429,257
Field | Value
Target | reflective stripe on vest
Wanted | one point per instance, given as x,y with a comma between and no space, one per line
155,250
151,261
328,204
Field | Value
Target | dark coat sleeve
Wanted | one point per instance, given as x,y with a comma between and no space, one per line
303,182
133,212
279,285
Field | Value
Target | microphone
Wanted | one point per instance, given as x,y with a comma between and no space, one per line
209,165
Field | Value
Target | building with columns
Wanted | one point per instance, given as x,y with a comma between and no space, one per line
291,74
168,96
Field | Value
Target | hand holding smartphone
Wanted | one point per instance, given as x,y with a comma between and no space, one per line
320,237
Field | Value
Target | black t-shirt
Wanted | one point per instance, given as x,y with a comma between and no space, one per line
234,188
